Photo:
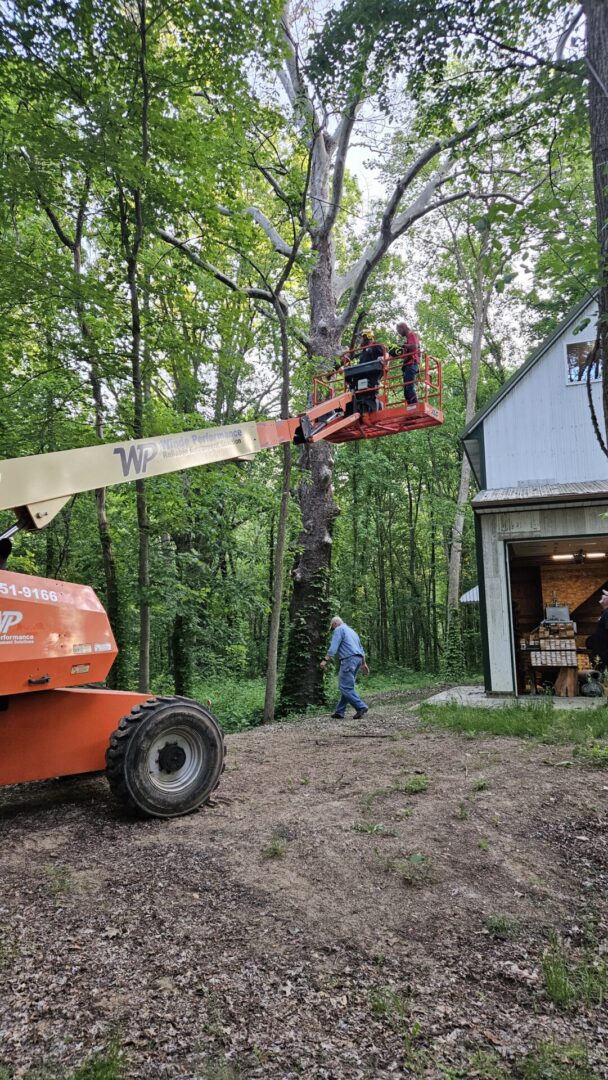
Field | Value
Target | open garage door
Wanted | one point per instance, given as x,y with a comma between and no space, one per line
555,589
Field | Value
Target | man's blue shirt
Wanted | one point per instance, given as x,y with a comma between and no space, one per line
345,642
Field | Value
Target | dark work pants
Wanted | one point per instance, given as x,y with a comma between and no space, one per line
410,372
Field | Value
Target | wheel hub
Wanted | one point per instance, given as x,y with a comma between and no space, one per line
171,758
175,758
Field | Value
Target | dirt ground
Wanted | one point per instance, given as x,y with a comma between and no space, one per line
320,920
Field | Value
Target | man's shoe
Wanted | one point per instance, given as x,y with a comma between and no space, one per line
360,713
337,716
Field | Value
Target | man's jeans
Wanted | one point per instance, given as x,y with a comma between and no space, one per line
410,371
346,684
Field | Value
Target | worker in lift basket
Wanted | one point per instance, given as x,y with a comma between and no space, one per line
345,644
409,349
369,351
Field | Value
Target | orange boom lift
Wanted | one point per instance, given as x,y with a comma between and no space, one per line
163,756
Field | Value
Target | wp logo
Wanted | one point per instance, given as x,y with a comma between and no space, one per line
136,459
8,619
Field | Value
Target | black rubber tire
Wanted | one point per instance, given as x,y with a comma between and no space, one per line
133,767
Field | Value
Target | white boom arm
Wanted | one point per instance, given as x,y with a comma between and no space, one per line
37,487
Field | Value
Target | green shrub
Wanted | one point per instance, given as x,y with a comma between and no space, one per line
594,754
238,704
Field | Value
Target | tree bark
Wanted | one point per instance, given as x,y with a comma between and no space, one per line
303,683
596,12
279,554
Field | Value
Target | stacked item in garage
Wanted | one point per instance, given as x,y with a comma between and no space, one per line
552,644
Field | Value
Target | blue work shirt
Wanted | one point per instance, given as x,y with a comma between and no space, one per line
345,642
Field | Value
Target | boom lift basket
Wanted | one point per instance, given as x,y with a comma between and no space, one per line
391,414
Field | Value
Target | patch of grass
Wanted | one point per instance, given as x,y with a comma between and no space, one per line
377,829
592,980
58,880
566,983
275,848
480,785
107,1066
559,987
593,753
462,813
395,679
555,1061
8,953
502,927
486,1065
414,869
483,843
386,1003
534,721
415,785
367,803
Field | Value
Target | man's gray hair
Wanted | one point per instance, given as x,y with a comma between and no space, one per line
336,621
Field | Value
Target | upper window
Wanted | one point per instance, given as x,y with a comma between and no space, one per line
579,358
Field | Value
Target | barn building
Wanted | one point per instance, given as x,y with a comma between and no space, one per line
541,513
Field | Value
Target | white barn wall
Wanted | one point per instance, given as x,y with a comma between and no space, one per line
579,520
541,430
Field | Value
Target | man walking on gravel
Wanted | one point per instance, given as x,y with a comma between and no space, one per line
345,644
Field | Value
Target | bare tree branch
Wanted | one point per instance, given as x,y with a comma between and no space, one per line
276,240
209,268
341,141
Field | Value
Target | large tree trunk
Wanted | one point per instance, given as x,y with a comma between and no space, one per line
309,615
309,612
596,12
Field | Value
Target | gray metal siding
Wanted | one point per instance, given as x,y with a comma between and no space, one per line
541,432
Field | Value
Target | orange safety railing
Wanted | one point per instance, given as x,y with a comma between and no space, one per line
391,392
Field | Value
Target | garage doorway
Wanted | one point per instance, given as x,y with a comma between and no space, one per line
554,581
